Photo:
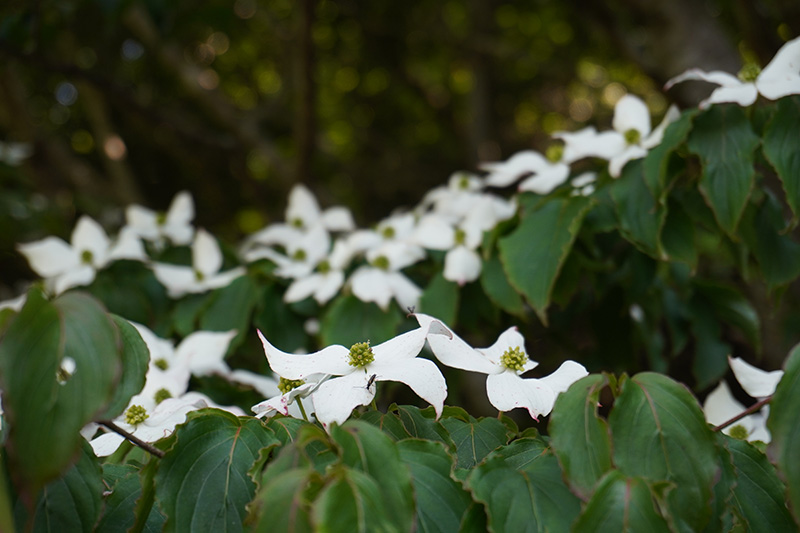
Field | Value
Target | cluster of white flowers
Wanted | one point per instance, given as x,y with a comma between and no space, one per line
339,379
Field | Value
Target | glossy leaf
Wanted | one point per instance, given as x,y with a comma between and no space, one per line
201,482
656,160
349,320
389,423
587,458
475,439
535,252
778,255
121,499
780,147
621,504
135,359
284,503
782,423
441,500
724,140
419,425
45,416
638,209
659,433
365,448
351,503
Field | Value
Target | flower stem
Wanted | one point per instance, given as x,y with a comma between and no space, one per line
136,440
302,410
752,409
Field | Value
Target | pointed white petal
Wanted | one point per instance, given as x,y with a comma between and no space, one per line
302,288
329,286
654,139
451,350
180,213
50,256
604,145
177,279
335,399
568,373
755,382
128,246
203,352
422,375
507,391
716,77
720,405
400,348
78,277
434,232
371,285
781,77
332,360
89,235
302,206
545,181
462,265
143,220
265,385
743,95
631,113
507,172
106,444
509,339
206,255
405,291
338,219
618,162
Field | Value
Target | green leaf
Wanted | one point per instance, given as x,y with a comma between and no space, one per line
201,482
120,505
135,359
678,236
441,501
655,163
275,320
389,423
711,352
349,320
187,311
724,140
440,299
130,289
579,437
419,425
777,254
475,439
639,211
780,147
230,308
498,289
532,498
759,494
72,502
351,503
621,504
782,423
731,307
366,448
44,416
535,252
284,504
659,433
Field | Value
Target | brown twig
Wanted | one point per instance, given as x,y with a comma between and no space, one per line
752,409
136,440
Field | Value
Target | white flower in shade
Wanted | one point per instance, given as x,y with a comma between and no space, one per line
583,184
15,304
76,264
450,199
462,264
287,395
324,283
504,362
302,214
302,254
781,77
631,138
755,382
203,275
152,425
359,368
175,225
543,173
381,280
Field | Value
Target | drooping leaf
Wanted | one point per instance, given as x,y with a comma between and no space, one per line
659,433
475,439
534,253
441,500
780,147
202,482
782,424
45,416
725,141
579,437
623,504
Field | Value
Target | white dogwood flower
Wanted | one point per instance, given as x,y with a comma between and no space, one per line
781,77
359,368
175,225
504,362
381,280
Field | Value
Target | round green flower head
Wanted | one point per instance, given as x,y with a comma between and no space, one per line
461,236
161,364
86,257
161,219
554,153
514,359
135,415
739,432
388,232
749,73
361,354
297,222
632,136
324,267
463,183
161,395
299,255
199,276
285,385
381,262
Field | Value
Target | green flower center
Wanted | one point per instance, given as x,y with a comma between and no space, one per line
299,255
554,153
86,257
460,237
161,364
632,136
62,375
749,73
297,222
388,232
161,395
161,219
324,267
361,355
739,432
463,183
514,359
135,415
199,276
285,385
381,262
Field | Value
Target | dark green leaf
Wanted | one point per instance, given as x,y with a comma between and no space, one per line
135,359
440,299
351,503
474,440
580,438
655,163
639,212
498,289
284,504
419,425
782,423
678,235
724,140
535,252
275,320
389,423
349,320
777,254
230,308
780,146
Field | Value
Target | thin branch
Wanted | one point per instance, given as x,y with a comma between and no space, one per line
136,440
750,410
